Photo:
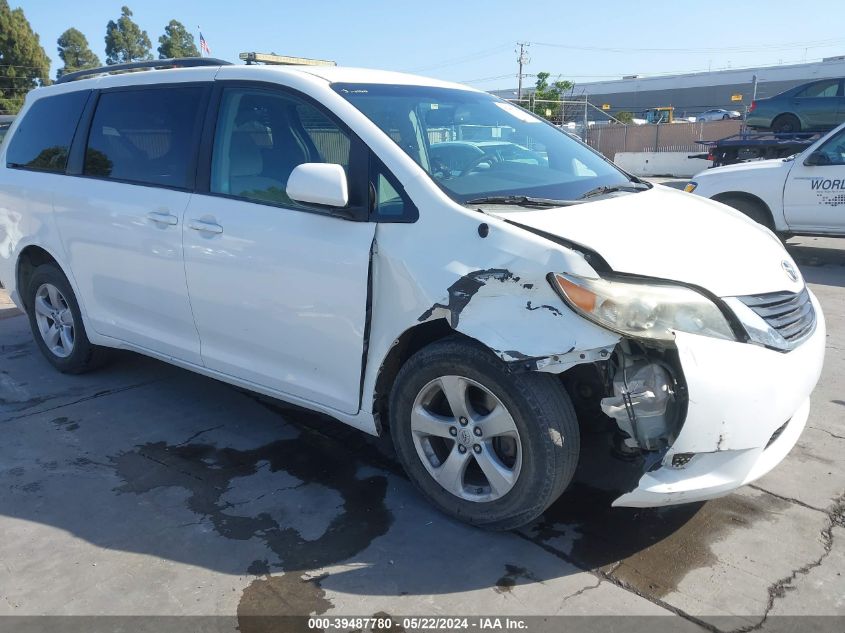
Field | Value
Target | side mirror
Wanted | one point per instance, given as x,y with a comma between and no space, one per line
817,158
318,183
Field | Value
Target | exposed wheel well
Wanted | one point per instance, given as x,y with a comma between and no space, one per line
31,258
750,199
409,343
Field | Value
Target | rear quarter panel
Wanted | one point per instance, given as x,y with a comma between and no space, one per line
26,218
26,213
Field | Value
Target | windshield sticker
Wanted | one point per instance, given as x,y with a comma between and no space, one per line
514,111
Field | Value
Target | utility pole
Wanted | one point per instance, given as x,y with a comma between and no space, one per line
521,60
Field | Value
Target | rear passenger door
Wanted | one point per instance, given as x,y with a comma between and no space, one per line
120,217
278,288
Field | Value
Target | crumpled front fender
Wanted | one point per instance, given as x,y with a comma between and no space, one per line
521,319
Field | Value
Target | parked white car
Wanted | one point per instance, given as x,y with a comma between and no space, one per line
800,195
284,229
718,114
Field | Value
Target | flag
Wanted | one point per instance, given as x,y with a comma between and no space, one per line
204,45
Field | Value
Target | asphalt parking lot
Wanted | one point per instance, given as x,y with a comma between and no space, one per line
144,489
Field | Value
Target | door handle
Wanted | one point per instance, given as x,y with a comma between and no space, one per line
163,217
205,227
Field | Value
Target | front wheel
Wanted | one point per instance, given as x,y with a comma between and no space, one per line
486,446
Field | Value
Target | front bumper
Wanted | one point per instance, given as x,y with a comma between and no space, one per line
747,408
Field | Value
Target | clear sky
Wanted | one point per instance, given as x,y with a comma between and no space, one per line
474,42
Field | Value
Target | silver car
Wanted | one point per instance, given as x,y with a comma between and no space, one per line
718,114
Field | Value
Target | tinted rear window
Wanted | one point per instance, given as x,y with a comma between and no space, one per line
148,136
43,138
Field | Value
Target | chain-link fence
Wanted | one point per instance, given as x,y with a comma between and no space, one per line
569,113
603,132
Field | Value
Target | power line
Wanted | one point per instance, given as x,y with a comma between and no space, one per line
18,66
721,49
455,61
480,79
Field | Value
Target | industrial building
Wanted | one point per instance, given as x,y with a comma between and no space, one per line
692,93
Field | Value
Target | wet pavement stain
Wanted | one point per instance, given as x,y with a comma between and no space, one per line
650,550
513,572
207,472
266,602
16,348
65,424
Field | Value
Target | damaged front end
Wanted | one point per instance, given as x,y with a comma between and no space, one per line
634,403
648,399
660,372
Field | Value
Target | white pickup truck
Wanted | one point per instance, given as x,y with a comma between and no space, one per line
800,195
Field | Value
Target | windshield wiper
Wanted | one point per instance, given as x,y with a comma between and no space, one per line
522,201
633,187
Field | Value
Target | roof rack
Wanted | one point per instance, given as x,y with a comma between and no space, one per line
181,62
283,60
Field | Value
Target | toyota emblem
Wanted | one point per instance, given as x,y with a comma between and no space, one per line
789,269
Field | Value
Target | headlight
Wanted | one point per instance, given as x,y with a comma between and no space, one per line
690,186
643,310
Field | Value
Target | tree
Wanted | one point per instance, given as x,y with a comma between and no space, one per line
176,42
74,52
547,95
23,63
125,41
624,117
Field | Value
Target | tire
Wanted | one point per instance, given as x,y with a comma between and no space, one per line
725,117
753,209
539,454
786,123
72,353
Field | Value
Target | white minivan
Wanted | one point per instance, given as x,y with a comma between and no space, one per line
289,230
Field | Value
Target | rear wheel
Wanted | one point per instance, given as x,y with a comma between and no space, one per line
750,207
786,123
485,446
56,322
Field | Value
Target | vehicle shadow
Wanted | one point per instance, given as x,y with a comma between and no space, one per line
180,467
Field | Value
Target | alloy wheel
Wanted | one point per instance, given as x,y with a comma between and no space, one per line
54,319
466,438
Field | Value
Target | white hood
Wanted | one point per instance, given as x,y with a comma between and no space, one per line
741,168
672,235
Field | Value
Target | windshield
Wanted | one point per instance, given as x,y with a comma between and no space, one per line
475,145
